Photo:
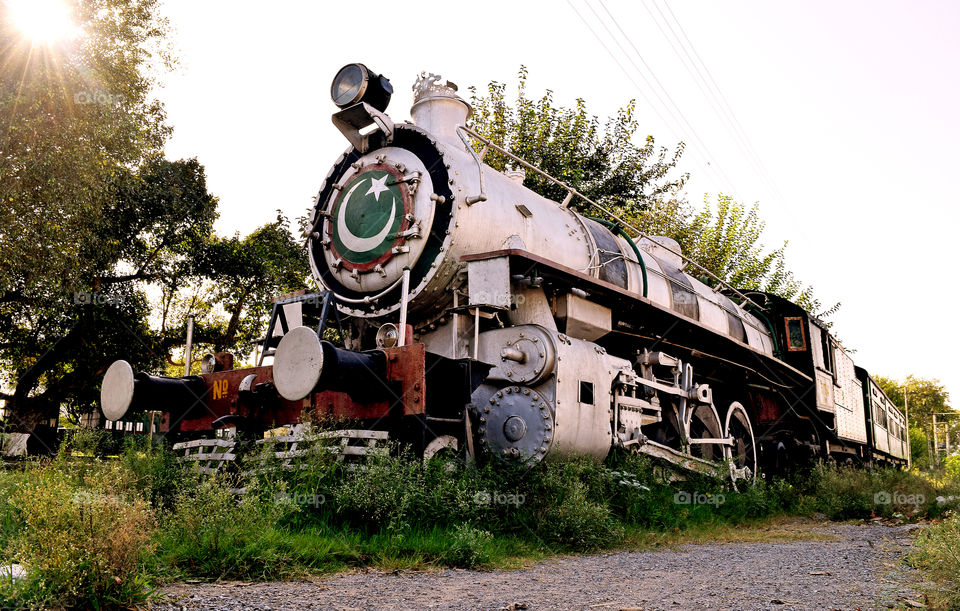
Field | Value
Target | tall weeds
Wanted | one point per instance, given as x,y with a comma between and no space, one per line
93,533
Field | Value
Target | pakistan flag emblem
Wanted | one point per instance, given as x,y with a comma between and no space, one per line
368,216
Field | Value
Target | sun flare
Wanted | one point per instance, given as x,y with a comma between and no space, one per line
42,21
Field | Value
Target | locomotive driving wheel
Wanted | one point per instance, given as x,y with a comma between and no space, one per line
704,424
742,455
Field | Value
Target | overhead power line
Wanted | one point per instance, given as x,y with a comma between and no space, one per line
720,99
657,87
685,129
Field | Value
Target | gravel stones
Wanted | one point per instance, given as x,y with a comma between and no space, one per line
862,568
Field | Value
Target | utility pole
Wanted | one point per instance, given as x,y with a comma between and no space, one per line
936,448
946,432
906,413
188,352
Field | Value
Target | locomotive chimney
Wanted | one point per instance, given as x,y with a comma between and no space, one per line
438,109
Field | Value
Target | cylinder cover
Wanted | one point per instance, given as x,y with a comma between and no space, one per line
517,421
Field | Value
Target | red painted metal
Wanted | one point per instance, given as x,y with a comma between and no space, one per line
405,373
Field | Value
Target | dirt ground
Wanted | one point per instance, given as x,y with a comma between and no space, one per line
821,566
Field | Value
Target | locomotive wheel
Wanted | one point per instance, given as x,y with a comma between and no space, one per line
441,446
668,432
743,454
705,424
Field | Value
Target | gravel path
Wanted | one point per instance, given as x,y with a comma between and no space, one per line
861,569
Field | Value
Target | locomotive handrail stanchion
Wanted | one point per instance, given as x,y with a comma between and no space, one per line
404,299
483,191
476,333
571,192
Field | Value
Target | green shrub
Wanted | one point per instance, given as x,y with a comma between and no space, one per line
87,442
82,546
469,547
384,494
843,493
11,520
935,551
212,534
153,470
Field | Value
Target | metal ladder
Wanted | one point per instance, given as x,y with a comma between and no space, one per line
327,304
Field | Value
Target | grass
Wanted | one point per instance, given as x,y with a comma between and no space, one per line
936,552
101,533
773,529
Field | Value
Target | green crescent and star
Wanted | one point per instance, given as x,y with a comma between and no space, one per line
368,217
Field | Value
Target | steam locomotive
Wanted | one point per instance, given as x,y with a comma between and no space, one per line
460,311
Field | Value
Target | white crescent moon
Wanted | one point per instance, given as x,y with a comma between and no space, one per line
357,244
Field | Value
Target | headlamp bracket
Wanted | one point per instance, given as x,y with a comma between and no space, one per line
351,120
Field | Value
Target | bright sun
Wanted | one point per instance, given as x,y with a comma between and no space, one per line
42,21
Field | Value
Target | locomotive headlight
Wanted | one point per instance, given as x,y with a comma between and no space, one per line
355,83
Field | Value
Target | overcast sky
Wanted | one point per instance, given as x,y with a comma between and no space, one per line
839,118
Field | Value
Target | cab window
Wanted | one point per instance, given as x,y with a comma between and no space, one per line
796,334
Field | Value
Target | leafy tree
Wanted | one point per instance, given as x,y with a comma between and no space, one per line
725,239
93,216
248,272
73,117
56,346
639,183
569,143
919,448
925,397
76,125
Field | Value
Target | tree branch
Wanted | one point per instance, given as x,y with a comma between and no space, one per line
137,276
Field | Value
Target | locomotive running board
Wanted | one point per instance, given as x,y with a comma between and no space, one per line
678,458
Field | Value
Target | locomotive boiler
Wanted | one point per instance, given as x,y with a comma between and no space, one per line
459,310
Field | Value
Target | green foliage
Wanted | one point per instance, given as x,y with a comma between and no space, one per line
636,182
93,215
247,273
211,533
62,149
935,551
154,472
924,397
87,442
469,547
846,493
725,239
82,544
89,206
569,144
96,532
919,449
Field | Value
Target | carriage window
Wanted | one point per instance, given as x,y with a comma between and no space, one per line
880,415
796,336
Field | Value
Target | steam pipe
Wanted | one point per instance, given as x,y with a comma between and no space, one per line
616,228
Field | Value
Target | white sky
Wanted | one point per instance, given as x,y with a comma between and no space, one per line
850,107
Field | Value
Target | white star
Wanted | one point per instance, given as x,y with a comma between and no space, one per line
378,186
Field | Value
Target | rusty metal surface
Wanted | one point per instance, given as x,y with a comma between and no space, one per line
405,374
